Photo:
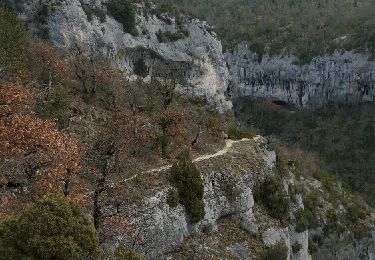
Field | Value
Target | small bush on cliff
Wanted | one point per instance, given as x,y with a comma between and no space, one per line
272,195
92,11
307,218
170,36
276,252
53,229
173,200
123,11
187,179
302,220
296,247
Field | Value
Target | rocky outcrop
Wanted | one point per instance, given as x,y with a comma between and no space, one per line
230,179
227,193
194,59
347,77
360,249
290,238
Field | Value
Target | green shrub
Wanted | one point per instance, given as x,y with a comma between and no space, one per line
276,252
311,201
123,12
12,45
307,218
302,220
52,229
187,179
272,195
170,36
57,106
327,180
91,11
296,247
172,199
333,223
355,213
309,215
313,246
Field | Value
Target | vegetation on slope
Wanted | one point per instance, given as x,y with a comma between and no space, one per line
272,195
342,136
304,28
123,11
186,178
53,228
72,126
327,202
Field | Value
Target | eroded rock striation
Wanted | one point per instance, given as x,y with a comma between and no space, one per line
347,77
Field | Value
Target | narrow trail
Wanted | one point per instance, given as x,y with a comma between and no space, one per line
228,144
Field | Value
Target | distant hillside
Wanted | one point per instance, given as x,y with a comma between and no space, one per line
305,28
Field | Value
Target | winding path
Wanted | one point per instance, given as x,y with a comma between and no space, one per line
228,144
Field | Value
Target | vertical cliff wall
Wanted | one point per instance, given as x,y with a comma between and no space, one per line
347,77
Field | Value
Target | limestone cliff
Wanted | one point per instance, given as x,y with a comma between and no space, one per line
189,54
235,226
347,77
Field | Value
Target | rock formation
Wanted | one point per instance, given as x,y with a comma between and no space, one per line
194,60
347,77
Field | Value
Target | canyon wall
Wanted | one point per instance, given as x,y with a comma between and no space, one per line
346,77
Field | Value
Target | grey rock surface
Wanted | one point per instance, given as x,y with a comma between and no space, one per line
163,228
363,248
195,60
347,77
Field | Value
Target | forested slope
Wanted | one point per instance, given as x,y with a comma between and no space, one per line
305,28
342,137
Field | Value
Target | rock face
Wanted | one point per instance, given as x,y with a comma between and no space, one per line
361,249
288,236
229,181
193,59
227,193
185,51
348,78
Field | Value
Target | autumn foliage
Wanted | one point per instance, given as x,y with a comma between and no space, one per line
35,157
